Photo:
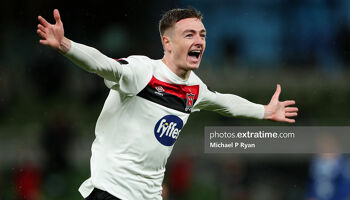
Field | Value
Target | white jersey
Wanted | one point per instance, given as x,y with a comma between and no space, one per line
144,113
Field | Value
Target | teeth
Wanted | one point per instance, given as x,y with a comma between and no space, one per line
195,53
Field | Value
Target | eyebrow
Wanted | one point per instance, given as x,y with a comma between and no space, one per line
193,31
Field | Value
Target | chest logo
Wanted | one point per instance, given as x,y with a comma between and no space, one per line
189,101
168,129
160,90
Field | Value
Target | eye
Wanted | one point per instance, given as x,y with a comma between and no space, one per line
203,36
189,36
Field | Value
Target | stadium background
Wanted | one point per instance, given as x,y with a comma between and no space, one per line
48,106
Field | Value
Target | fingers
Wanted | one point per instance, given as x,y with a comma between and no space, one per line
277,92
44,42
290,120
57,16
43,21
41,28
291,109
41,31
41,34
293,114
288,103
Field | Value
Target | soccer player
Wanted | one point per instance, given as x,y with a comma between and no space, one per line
148,104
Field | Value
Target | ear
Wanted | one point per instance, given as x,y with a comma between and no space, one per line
166,43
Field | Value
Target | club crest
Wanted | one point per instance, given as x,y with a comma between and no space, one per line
189,101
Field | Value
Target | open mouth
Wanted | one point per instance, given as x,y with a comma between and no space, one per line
195,53
194,56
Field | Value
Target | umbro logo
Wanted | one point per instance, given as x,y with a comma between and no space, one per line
160,90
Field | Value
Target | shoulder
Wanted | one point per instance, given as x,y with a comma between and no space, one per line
137,59
136,63
137,72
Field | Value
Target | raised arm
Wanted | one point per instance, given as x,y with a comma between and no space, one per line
53,34
129,76
88,58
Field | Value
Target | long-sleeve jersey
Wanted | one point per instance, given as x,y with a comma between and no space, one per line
143,115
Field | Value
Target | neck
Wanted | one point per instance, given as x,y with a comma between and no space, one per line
180,72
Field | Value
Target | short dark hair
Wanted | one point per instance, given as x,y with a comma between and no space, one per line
172,16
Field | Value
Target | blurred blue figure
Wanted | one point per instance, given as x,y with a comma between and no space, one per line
329,178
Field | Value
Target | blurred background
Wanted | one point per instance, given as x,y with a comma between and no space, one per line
48,106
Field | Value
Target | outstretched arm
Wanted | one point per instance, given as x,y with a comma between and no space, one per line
279,111
53,34
235,106
129,77
88,58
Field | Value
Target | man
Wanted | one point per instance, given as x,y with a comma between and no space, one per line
148,105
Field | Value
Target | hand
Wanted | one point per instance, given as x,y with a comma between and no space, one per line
53,34
278,111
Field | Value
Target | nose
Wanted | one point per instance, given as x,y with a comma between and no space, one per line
199,41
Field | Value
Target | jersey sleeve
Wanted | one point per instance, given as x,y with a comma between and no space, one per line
127,75
227,104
